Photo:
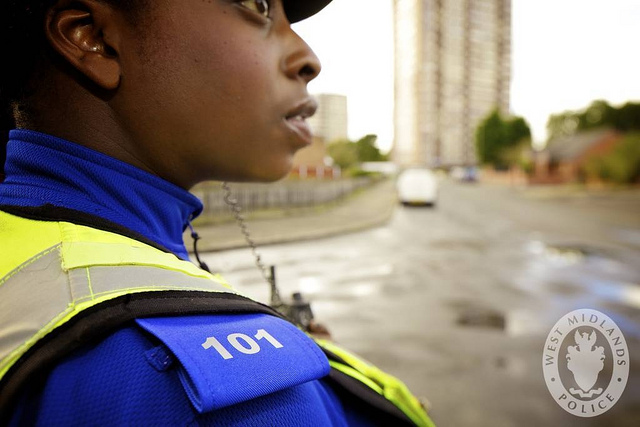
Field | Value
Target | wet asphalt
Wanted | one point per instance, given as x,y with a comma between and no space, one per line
458,300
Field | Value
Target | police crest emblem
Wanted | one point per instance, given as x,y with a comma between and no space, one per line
586,363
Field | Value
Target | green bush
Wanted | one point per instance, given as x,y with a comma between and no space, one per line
621,165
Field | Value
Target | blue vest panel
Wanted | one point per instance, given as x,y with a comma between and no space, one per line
228,359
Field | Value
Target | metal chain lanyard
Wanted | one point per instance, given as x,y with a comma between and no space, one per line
270,276
298,310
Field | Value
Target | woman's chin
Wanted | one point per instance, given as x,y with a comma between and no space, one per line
261,174
269,176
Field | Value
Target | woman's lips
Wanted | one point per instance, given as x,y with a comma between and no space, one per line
296,119
301,128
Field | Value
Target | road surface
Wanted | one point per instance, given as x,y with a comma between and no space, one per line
458,300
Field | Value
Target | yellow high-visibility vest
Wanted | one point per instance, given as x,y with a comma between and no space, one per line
62,284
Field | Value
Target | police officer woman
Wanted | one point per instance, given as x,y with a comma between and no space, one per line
119,107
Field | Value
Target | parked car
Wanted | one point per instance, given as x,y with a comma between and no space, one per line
417,186
470,174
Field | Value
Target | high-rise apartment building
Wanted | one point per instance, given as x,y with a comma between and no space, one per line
452,67
330,121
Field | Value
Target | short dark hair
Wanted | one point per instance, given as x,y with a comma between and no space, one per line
22,46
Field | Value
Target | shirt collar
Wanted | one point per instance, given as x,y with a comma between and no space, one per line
42,169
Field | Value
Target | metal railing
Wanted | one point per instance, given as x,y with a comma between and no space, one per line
288,194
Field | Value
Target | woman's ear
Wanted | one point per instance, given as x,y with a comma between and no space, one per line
86,34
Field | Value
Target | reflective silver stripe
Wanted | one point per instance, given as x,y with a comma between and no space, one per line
95,282
39,294
35,293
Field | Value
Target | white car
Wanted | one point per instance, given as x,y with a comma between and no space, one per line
417,186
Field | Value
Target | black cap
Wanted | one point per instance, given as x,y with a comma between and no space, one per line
297,10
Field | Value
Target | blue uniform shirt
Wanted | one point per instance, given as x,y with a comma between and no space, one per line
160,371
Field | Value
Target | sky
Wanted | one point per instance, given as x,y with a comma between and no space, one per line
565,54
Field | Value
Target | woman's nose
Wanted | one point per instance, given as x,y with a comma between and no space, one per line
302,63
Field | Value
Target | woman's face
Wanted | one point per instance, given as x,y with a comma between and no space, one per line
215,89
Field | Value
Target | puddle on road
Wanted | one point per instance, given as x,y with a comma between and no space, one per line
624,293
514,365
320,290
578,271
483,318
560,254
470,314
363,273
565,288
513,322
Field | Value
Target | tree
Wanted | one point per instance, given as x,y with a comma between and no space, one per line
598,114
517,132
562,124
501,142
627,118
367,150
518,155
490,136
347,154
344,153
